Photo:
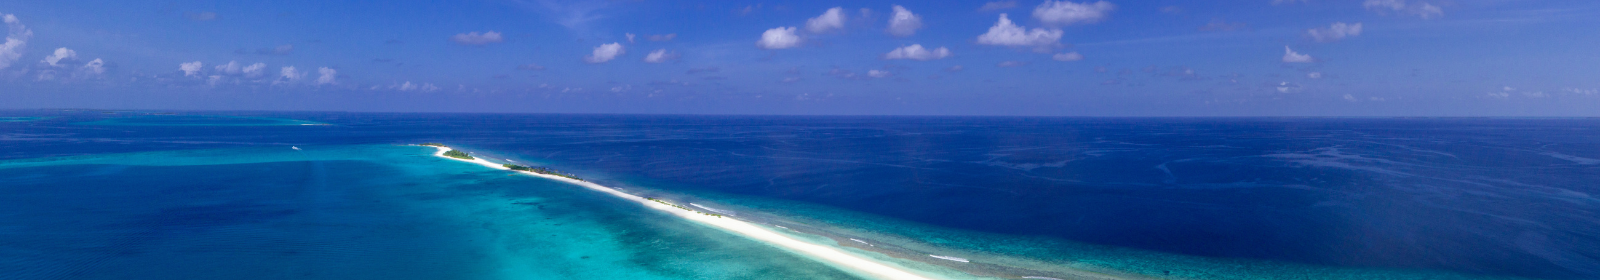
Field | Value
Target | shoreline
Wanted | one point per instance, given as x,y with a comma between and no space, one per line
829,255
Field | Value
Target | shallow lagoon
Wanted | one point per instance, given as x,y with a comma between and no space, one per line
343,212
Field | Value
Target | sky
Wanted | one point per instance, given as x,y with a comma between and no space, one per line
1045,58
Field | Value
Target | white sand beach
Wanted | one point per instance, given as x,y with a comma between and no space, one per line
833,256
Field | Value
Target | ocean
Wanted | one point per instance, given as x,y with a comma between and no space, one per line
153,195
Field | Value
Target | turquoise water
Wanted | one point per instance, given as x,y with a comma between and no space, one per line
344,212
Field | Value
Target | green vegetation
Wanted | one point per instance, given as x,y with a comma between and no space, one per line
457,154
684,208
542,170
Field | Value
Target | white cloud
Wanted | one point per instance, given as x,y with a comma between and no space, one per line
190,68
1289,56
1581,91
408,86
326,75
954,69
1071,56
1336,32
877,73
779,38
95,66
17,37
1314,75
59,55
1286,87
232,68
998,5
630,37
791,79
1350,98
917,52
473,38
1419,9
1006,33
830,20
1010,63
604,53
659,56
427,87
214,80
290,75
903,23
255,70
1059,13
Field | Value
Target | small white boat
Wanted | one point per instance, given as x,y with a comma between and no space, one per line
862,242
949,258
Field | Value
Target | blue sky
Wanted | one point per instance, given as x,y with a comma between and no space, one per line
1075,58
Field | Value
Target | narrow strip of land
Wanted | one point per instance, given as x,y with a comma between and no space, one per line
834,256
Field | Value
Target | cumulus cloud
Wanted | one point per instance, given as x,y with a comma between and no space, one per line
954,69
661,37
1006,33
407,86
473,38
1287,87
829,20
17,37
428,87
1314,75
1420,9
326,75
630,37
60,55
998,5
1338,31
1289,56
255,70
190,68
289,74
95,66
878,73
779,38
1071,56
659,56
1010,63
530,67
903,23
917,52
1061,13
232,68
604,53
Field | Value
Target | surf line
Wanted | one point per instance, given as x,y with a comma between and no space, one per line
815,251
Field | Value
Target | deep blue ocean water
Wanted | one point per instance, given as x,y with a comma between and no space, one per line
1184,198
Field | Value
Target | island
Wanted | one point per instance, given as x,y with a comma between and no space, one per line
540,170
